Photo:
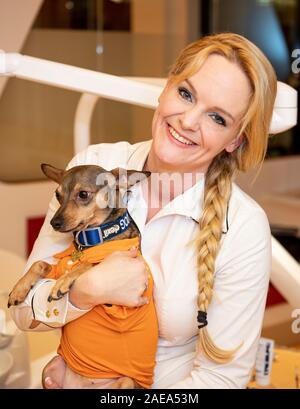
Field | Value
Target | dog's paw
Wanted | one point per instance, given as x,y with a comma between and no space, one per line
18,295
38,270
62,287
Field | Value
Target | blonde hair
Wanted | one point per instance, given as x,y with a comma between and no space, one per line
218,179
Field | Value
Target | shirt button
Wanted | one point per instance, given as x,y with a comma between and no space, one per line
56,312
48,313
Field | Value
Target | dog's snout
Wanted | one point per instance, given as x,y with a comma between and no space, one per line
57,223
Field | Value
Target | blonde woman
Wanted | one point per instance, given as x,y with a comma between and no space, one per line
209,246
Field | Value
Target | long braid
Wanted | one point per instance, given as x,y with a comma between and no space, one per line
217,191
254,127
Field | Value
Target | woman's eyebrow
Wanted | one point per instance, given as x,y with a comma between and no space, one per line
215,108
223,111
191,85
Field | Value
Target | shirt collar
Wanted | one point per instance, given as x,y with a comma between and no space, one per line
138,157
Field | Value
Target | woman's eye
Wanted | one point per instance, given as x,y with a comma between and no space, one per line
185,94
218,119
83,194
57,195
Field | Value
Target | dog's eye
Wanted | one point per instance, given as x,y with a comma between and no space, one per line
83,194
57,195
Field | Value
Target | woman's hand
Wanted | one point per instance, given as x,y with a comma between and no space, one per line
120,279
57,375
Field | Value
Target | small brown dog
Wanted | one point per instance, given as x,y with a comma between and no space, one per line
90,198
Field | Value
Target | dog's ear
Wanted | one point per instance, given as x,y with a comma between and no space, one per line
52,173
127,178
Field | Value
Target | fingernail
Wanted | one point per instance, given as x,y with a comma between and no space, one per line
48,381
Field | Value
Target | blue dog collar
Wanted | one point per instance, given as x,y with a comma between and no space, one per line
100,234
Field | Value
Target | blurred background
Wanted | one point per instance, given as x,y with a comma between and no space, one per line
127,38
132,38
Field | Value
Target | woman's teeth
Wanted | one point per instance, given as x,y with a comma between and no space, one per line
179,138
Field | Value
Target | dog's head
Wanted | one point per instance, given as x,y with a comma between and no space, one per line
88,194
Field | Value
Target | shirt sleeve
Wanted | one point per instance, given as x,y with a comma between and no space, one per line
49,242
236,312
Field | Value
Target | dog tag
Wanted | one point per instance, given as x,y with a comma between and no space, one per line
76,255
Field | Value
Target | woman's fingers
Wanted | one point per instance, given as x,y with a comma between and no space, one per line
120,279
53,373
143,301
133,251
48,383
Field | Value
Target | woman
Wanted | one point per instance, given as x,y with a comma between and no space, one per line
212,119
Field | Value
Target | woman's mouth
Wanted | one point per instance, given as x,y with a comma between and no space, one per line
179,139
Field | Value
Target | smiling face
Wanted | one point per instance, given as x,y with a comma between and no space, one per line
199,117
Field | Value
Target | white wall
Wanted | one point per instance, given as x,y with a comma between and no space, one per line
18,201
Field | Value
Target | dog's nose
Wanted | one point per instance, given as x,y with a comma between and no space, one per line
57,223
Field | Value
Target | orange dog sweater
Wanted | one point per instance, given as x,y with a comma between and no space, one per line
109,342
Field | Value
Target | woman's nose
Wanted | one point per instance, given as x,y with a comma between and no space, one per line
190,120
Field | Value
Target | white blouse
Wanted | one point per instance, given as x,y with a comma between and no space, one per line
241,280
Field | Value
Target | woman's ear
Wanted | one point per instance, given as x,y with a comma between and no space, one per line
234,144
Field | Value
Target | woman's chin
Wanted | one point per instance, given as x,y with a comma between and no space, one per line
167,156
168,163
